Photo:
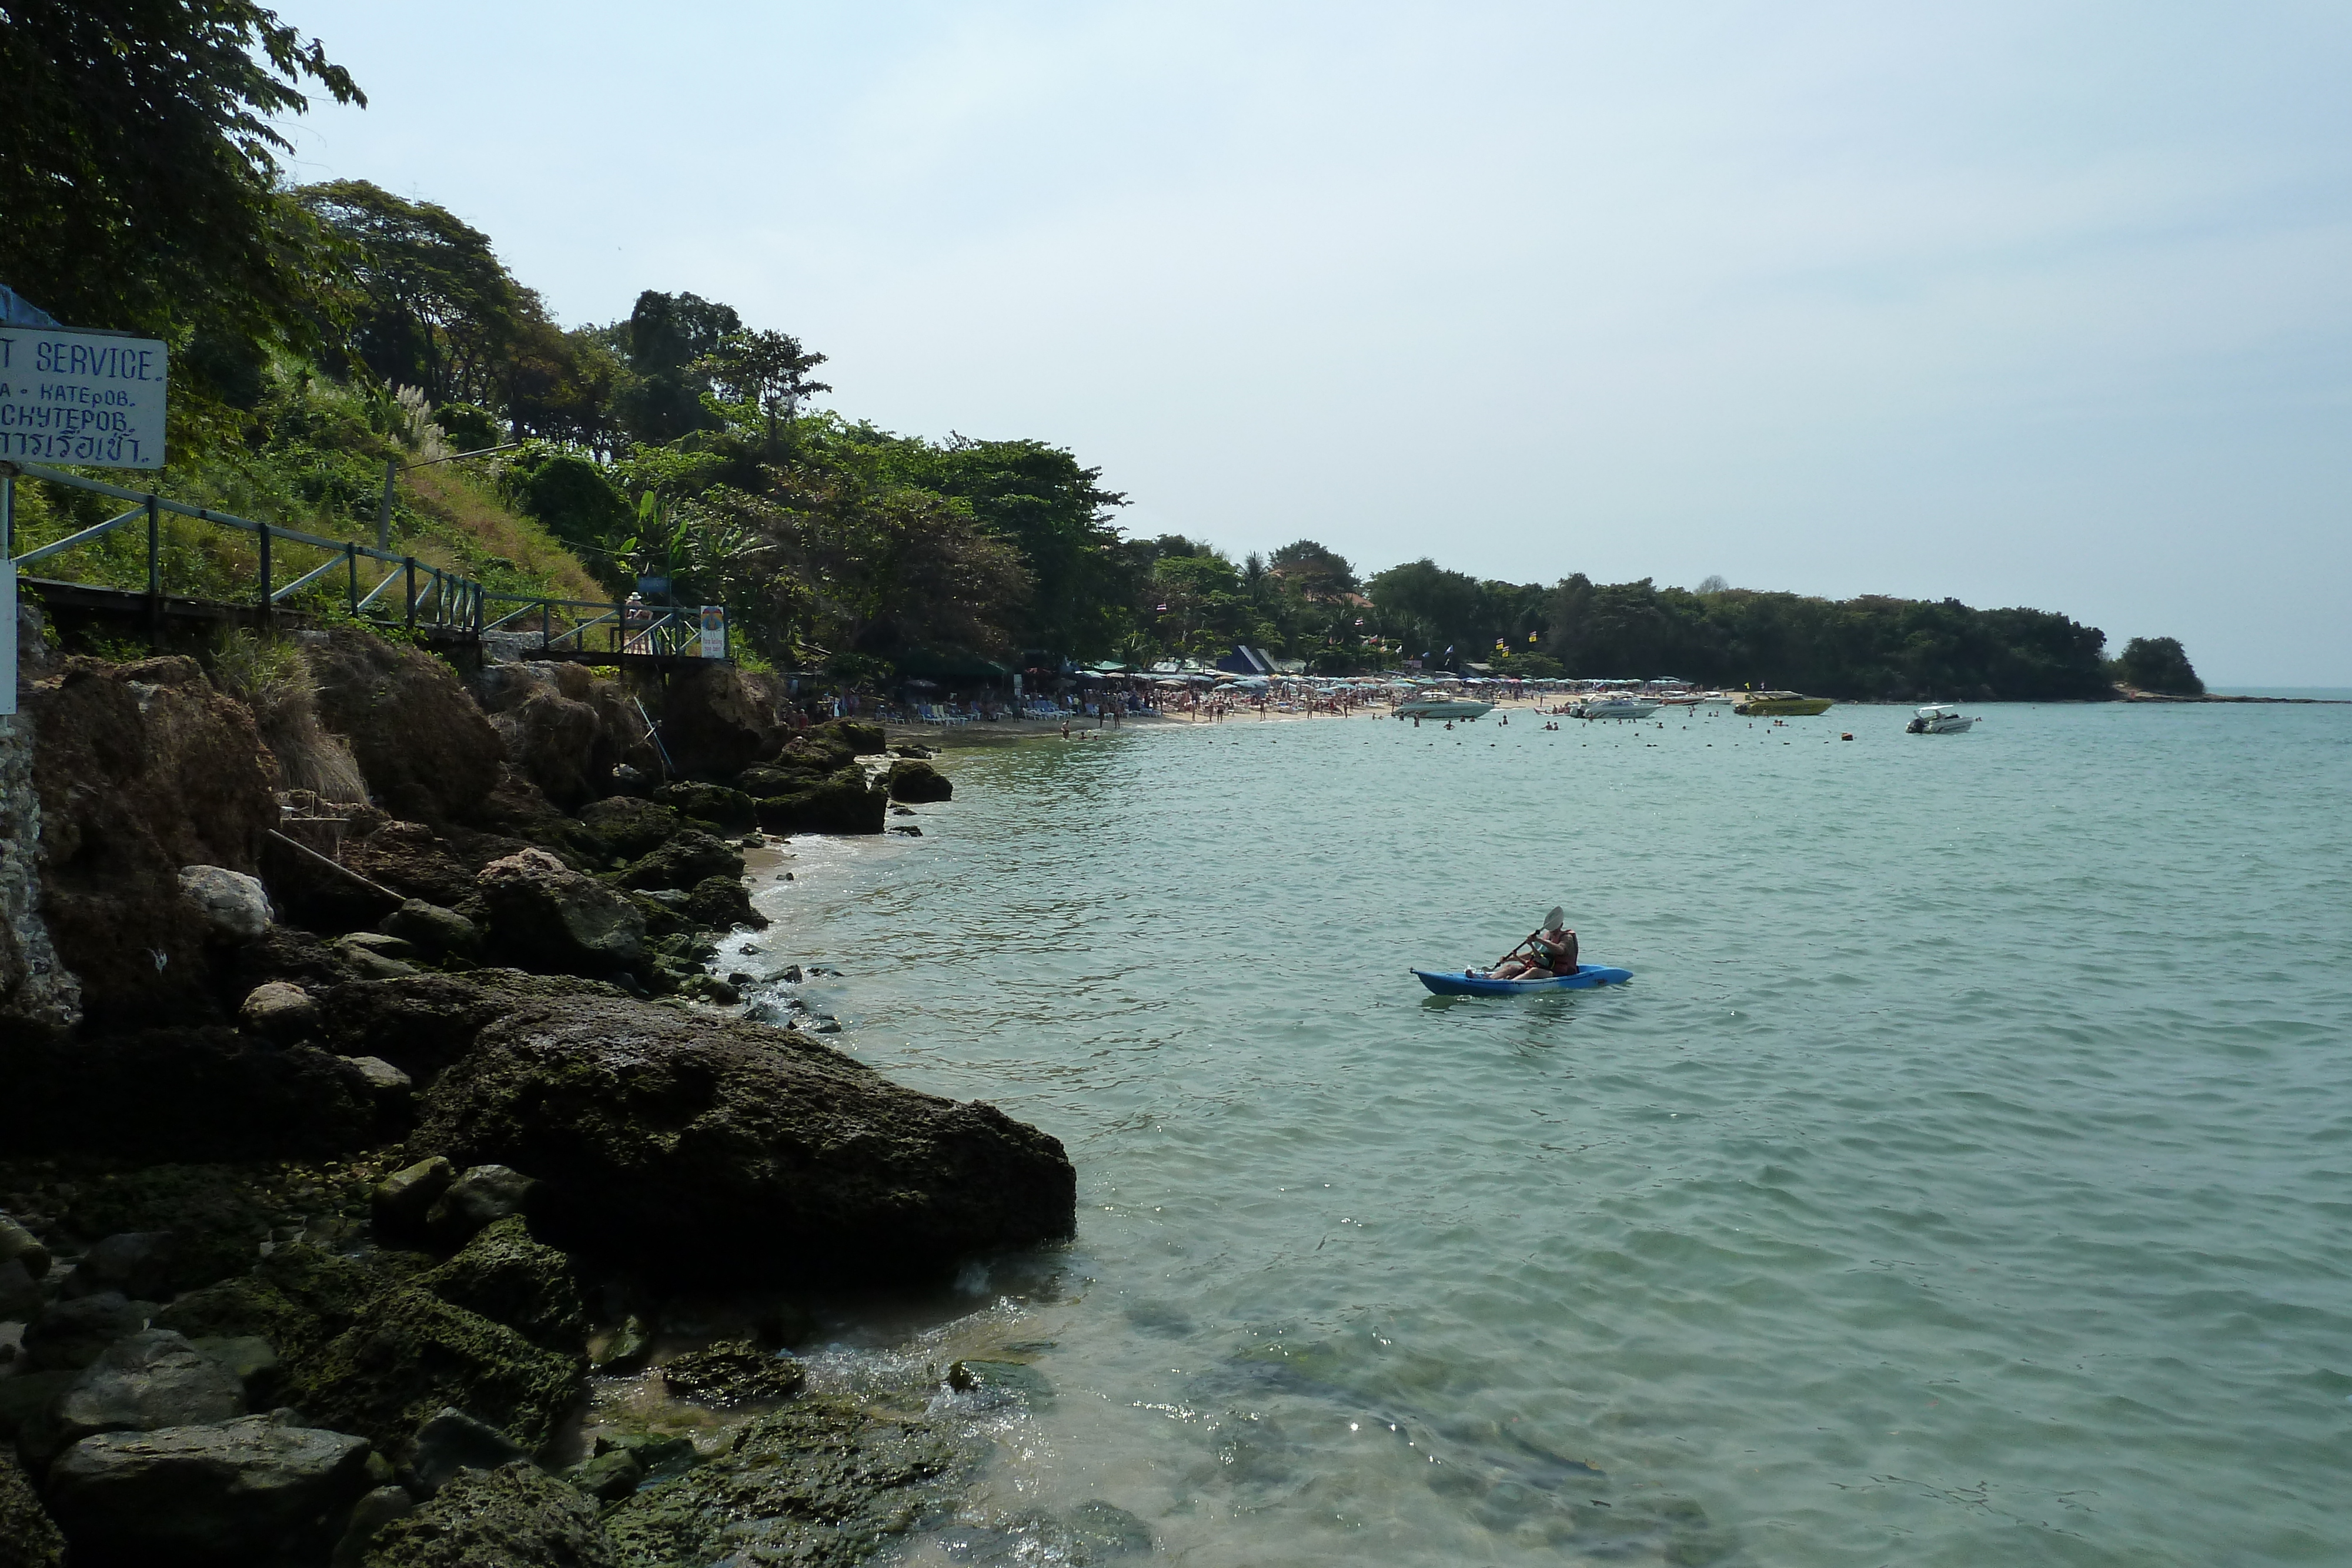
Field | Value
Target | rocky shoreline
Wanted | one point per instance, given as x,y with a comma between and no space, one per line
367,1100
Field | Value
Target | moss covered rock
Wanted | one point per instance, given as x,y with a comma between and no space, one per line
844,802
685,861
512,1517
410,1353
919,783
503,1275
823,1483
28,1537
628,826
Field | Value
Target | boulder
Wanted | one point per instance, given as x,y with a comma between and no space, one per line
140,769
508,1278
232,905
194,1095
517,814
722,902
480,1197
419,1023
403,1199
426,749
153,1378
369,1517
409,1353
69,1335
716,722
544,915
413,862
135,1264
558,744
731,1372
26,1398
628,826
844,802
435,933
29,1537
452,1442
608,1476
252,1361
919,783
712,803
280,1011
824,1482
20,1245
732,1148
21,1296
244,1492
512,1517
684,860
708,988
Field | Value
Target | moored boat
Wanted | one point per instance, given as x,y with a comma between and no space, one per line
1939,718
1478,983
1780,704
1614,707
1443,707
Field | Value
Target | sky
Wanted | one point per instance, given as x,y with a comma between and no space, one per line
2045,304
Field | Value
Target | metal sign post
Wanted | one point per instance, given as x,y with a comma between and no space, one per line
82,397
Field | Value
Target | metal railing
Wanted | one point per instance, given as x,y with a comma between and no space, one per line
430,597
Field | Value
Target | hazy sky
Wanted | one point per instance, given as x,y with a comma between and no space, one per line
2044,303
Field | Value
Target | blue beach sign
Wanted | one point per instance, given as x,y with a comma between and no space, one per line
95,399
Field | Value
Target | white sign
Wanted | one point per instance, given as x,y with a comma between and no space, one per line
714,631
7,637
89,398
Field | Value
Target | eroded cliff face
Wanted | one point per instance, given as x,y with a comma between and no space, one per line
139,770
38,992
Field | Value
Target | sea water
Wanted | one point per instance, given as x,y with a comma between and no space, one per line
1964,1177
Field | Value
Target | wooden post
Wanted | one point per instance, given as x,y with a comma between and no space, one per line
154,577
351,561
409,565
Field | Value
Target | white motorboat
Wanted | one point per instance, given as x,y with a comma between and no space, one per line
1938,718
1614,707
1443,707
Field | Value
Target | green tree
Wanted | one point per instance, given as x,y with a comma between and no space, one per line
665,340
2159,664
139,189
767,372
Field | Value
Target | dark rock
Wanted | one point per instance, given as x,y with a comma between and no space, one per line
544,915
25,1399
684,860
731,1372
453,1441
723,902
514,1516
420,1024
708,988
368,1516
507,1277
428,752
823,1483
161,1094
919,783
154,1378
627,1347
232,904
72,1335
607,1476
734,1148
911,832
1100,1530
1002,1382
278,1011
136,1263
140,769
21,1296
844,802
765,780
558,744
250,1359
409,1353
630,827
717,721
403,1199
790,974
434,932
481,1195
21,1245
713,804
238,1493
297,1299
516,815
364,959
29,1537
413,862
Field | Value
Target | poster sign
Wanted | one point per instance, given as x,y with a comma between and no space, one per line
7,637
91,398
714,631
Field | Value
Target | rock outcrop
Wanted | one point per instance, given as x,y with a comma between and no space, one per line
543,915
717,721
140,769
737,1149
919,783
844,802
428,752
241,1492
204,1093
514,1516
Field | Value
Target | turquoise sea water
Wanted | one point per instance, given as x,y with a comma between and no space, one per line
1966,1177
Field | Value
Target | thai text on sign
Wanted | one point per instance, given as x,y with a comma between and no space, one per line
81,397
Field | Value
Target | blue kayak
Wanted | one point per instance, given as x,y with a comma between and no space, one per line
1462,983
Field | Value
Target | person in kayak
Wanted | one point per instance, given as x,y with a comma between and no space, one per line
1551,952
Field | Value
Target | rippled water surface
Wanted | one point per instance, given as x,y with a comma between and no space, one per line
1965,1177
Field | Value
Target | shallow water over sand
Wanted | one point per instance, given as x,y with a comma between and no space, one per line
1963,1178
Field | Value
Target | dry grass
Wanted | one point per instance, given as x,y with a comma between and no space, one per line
270,678
467,520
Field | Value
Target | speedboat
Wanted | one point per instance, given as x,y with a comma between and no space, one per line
1780,704
1939,718
1443,707
1614,707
